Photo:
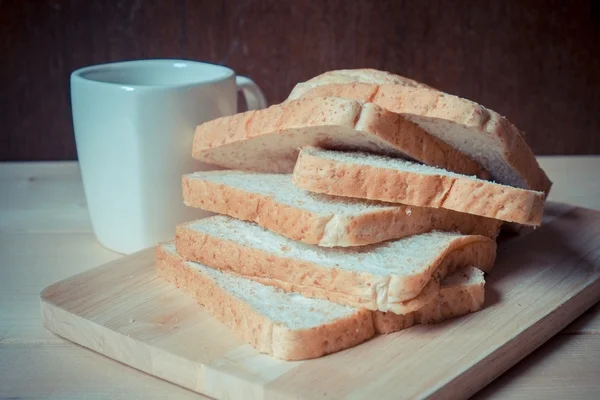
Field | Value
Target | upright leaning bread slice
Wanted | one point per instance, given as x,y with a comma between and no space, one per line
374,177
286,326
398,276
483,134
293,327
268,140
275,203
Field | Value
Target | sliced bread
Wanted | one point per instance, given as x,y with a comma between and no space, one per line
349,76
292,327
461,293
483,134
373,177
285,326
398,276
268,140
275,203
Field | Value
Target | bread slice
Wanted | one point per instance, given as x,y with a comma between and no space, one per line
275,203
373,177
461,293
292,327
349,76
483,134
398,276
268,140
285,326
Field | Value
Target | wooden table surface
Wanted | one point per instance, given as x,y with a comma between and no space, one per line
46,235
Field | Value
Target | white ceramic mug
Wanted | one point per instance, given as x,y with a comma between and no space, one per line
134,123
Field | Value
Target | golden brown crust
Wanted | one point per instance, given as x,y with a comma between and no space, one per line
270,137
487,199
305,226
256,329
367,75
356,289
430,106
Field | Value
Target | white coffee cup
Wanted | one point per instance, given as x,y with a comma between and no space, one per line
134,123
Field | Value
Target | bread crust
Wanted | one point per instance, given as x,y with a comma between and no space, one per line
399,294
258,330
268,140
428,108
348,76
317,173
328,230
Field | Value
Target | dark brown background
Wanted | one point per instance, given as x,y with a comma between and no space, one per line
537,62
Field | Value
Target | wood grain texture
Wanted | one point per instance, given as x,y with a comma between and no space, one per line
533,61
32,261
543,374
542,281
59,370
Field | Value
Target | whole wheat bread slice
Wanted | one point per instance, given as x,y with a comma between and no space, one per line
275,203
292,327
285,326
483,134
268,140
398,276
373,177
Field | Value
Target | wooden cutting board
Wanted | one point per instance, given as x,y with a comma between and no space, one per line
542,281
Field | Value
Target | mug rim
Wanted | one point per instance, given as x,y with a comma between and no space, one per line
80,73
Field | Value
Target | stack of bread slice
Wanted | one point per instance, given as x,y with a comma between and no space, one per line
362,205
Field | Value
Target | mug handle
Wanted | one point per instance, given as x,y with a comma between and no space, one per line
255,99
